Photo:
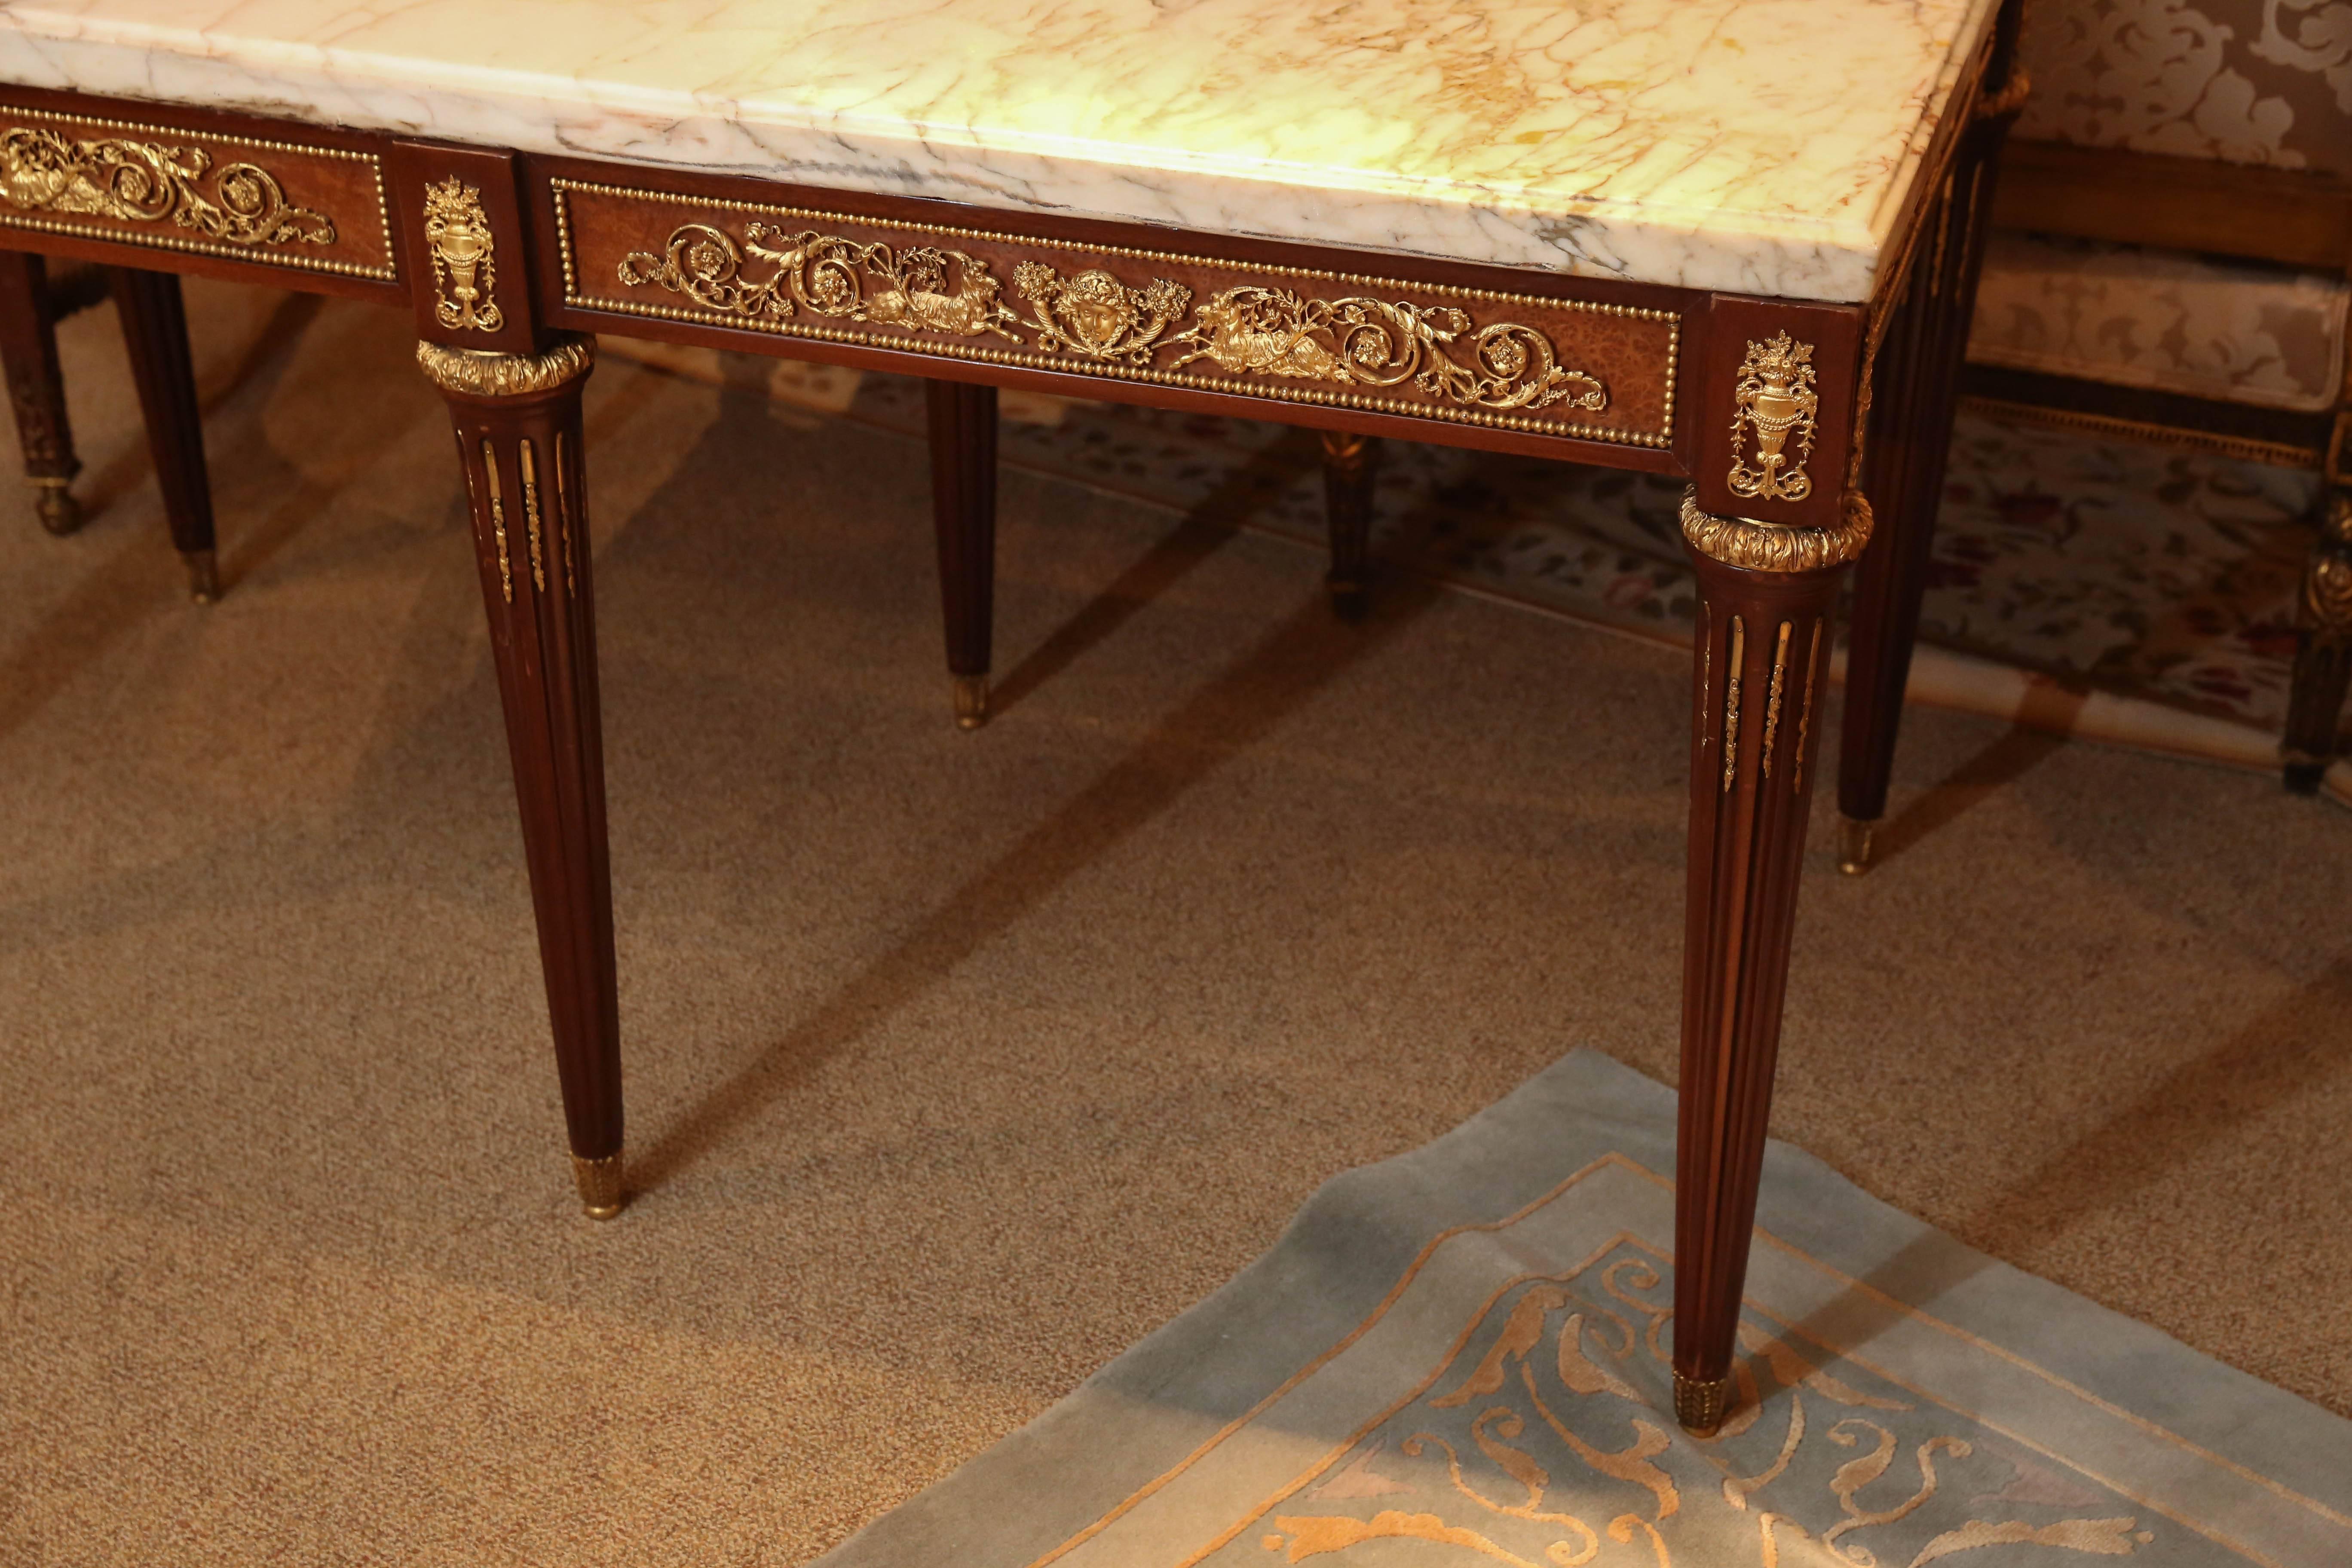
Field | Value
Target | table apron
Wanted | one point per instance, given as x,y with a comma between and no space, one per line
183,191
1581,370
1590,380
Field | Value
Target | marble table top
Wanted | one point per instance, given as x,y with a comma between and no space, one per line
1758,146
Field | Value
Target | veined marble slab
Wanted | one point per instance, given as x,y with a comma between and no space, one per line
1761,146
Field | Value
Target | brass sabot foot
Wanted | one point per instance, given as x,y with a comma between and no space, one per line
1700,1407
1853,846
600,1185
203,576
58,511
971,702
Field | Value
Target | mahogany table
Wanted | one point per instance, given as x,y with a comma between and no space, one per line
1729,240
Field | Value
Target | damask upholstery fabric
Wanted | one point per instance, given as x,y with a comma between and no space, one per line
2161,320
2246,81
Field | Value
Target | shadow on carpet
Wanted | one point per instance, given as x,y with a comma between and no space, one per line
2110,591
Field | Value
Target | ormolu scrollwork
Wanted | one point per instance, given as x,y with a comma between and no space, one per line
2326,607
1775,398
481,373
1255,331
2327,596
149,181
1773,699
921,287
1733,666
1096,315
1777,547
705,265
529,463
498,520
465,257
1805,709
1247,331
563,519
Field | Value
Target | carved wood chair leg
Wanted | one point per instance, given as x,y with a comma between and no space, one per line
1760,671
1917,394
1890,582
155,331
1350,463
2323,656
518,441
963,514
37,389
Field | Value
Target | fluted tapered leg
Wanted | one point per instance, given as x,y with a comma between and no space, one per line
155,331
1350,463
517,424
1917,392
1761,668
963,514
37,389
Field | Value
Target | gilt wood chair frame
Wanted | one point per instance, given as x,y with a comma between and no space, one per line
1783,415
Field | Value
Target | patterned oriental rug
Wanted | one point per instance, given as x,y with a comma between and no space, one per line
2127,593
1459,1356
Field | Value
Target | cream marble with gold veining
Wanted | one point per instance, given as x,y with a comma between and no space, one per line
1763,146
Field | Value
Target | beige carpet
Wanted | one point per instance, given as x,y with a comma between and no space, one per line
957,1063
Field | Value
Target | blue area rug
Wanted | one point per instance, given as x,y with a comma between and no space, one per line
1460,1357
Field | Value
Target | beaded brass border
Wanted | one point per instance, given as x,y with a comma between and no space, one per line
387,273
1663,437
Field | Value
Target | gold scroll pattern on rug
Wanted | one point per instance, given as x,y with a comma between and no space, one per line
1247,331
1543,1442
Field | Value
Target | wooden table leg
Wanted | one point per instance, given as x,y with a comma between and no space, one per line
1762,670
518,441
37,389
1918,382
1350,462
155,331
963,515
